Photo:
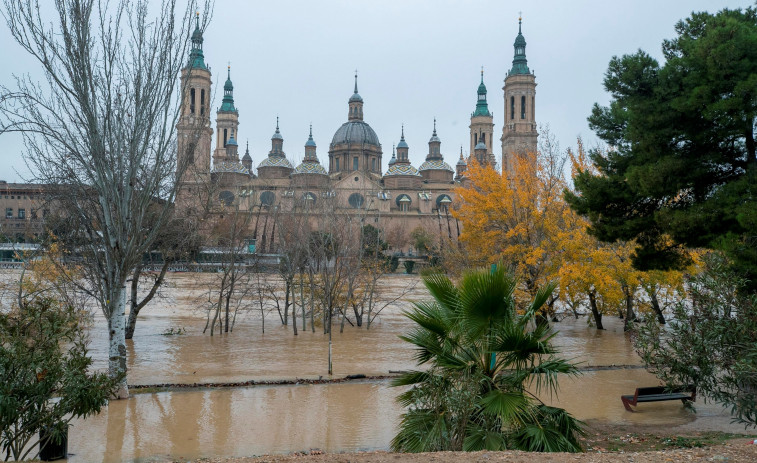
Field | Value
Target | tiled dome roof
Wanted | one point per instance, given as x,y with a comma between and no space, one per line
275,161
435,165
229,167
402,169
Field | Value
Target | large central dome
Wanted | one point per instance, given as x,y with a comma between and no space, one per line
355,132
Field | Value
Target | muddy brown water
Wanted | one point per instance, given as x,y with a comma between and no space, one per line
333,417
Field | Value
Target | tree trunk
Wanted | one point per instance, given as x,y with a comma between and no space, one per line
595,311
117,338
656,307
288,288
302,302
630,315
136,307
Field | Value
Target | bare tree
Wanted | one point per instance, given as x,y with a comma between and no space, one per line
101,128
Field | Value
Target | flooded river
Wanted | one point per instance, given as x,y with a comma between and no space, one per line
332,417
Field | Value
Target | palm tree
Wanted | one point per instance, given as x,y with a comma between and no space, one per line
486,366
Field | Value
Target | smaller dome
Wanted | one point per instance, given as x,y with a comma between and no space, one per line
434,138
480,146
435,165
247,157
392,160
482,88
227,167
310,141
275,161
232,141
356,98
461,161
277,135
402,169
402,143
310,167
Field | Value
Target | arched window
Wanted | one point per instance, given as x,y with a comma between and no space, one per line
267,198
202,102
483,138
403,202
356,200
355,163
336,164
443,202
226,197
308,199
225,136
512,108
373,164
523,107
533,116
192,101
475,139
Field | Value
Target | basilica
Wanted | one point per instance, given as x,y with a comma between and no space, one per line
351,177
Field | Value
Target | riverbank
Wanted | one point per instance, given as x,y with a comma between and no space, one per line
605,444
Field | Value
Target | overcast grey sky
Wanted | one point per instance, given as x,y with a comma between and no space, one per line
416,60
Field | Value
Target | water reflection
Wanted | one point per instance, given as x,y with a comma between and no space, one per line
239,422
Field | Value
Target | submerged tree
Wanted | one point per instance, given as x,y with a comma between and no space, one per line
710,342
485,368
101,130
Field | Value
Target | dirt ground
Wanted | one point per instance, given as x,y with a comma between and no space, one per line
603,443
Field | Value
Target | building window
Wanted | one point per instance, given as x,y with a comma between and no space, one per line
192,101
336,164
442,203
21,213
267,198
403,202
483,138
355,163
356,200
9,213
373,164
202,102
475,139
512,108
225,136
523,107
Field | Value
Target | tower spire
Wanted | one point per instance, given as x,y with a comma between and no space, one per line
520,64
196,58
355,80
227,105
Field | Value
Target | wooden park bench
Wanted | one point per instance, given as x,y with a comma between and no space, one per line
659,394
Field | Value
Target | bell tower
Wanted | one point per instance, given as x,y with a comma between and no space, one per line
193,129
519,133
482,123
227,123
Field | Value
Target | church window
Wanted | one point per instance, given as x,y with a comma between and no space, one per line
403,202
512,107
336,164
356,200
475,139
225,136
523,107
226,197
483,138
267,198
202,102
9,213
192,101
355,163
373,164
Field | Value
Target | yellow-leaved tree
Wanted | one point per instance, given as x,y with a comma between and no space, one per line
515,218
